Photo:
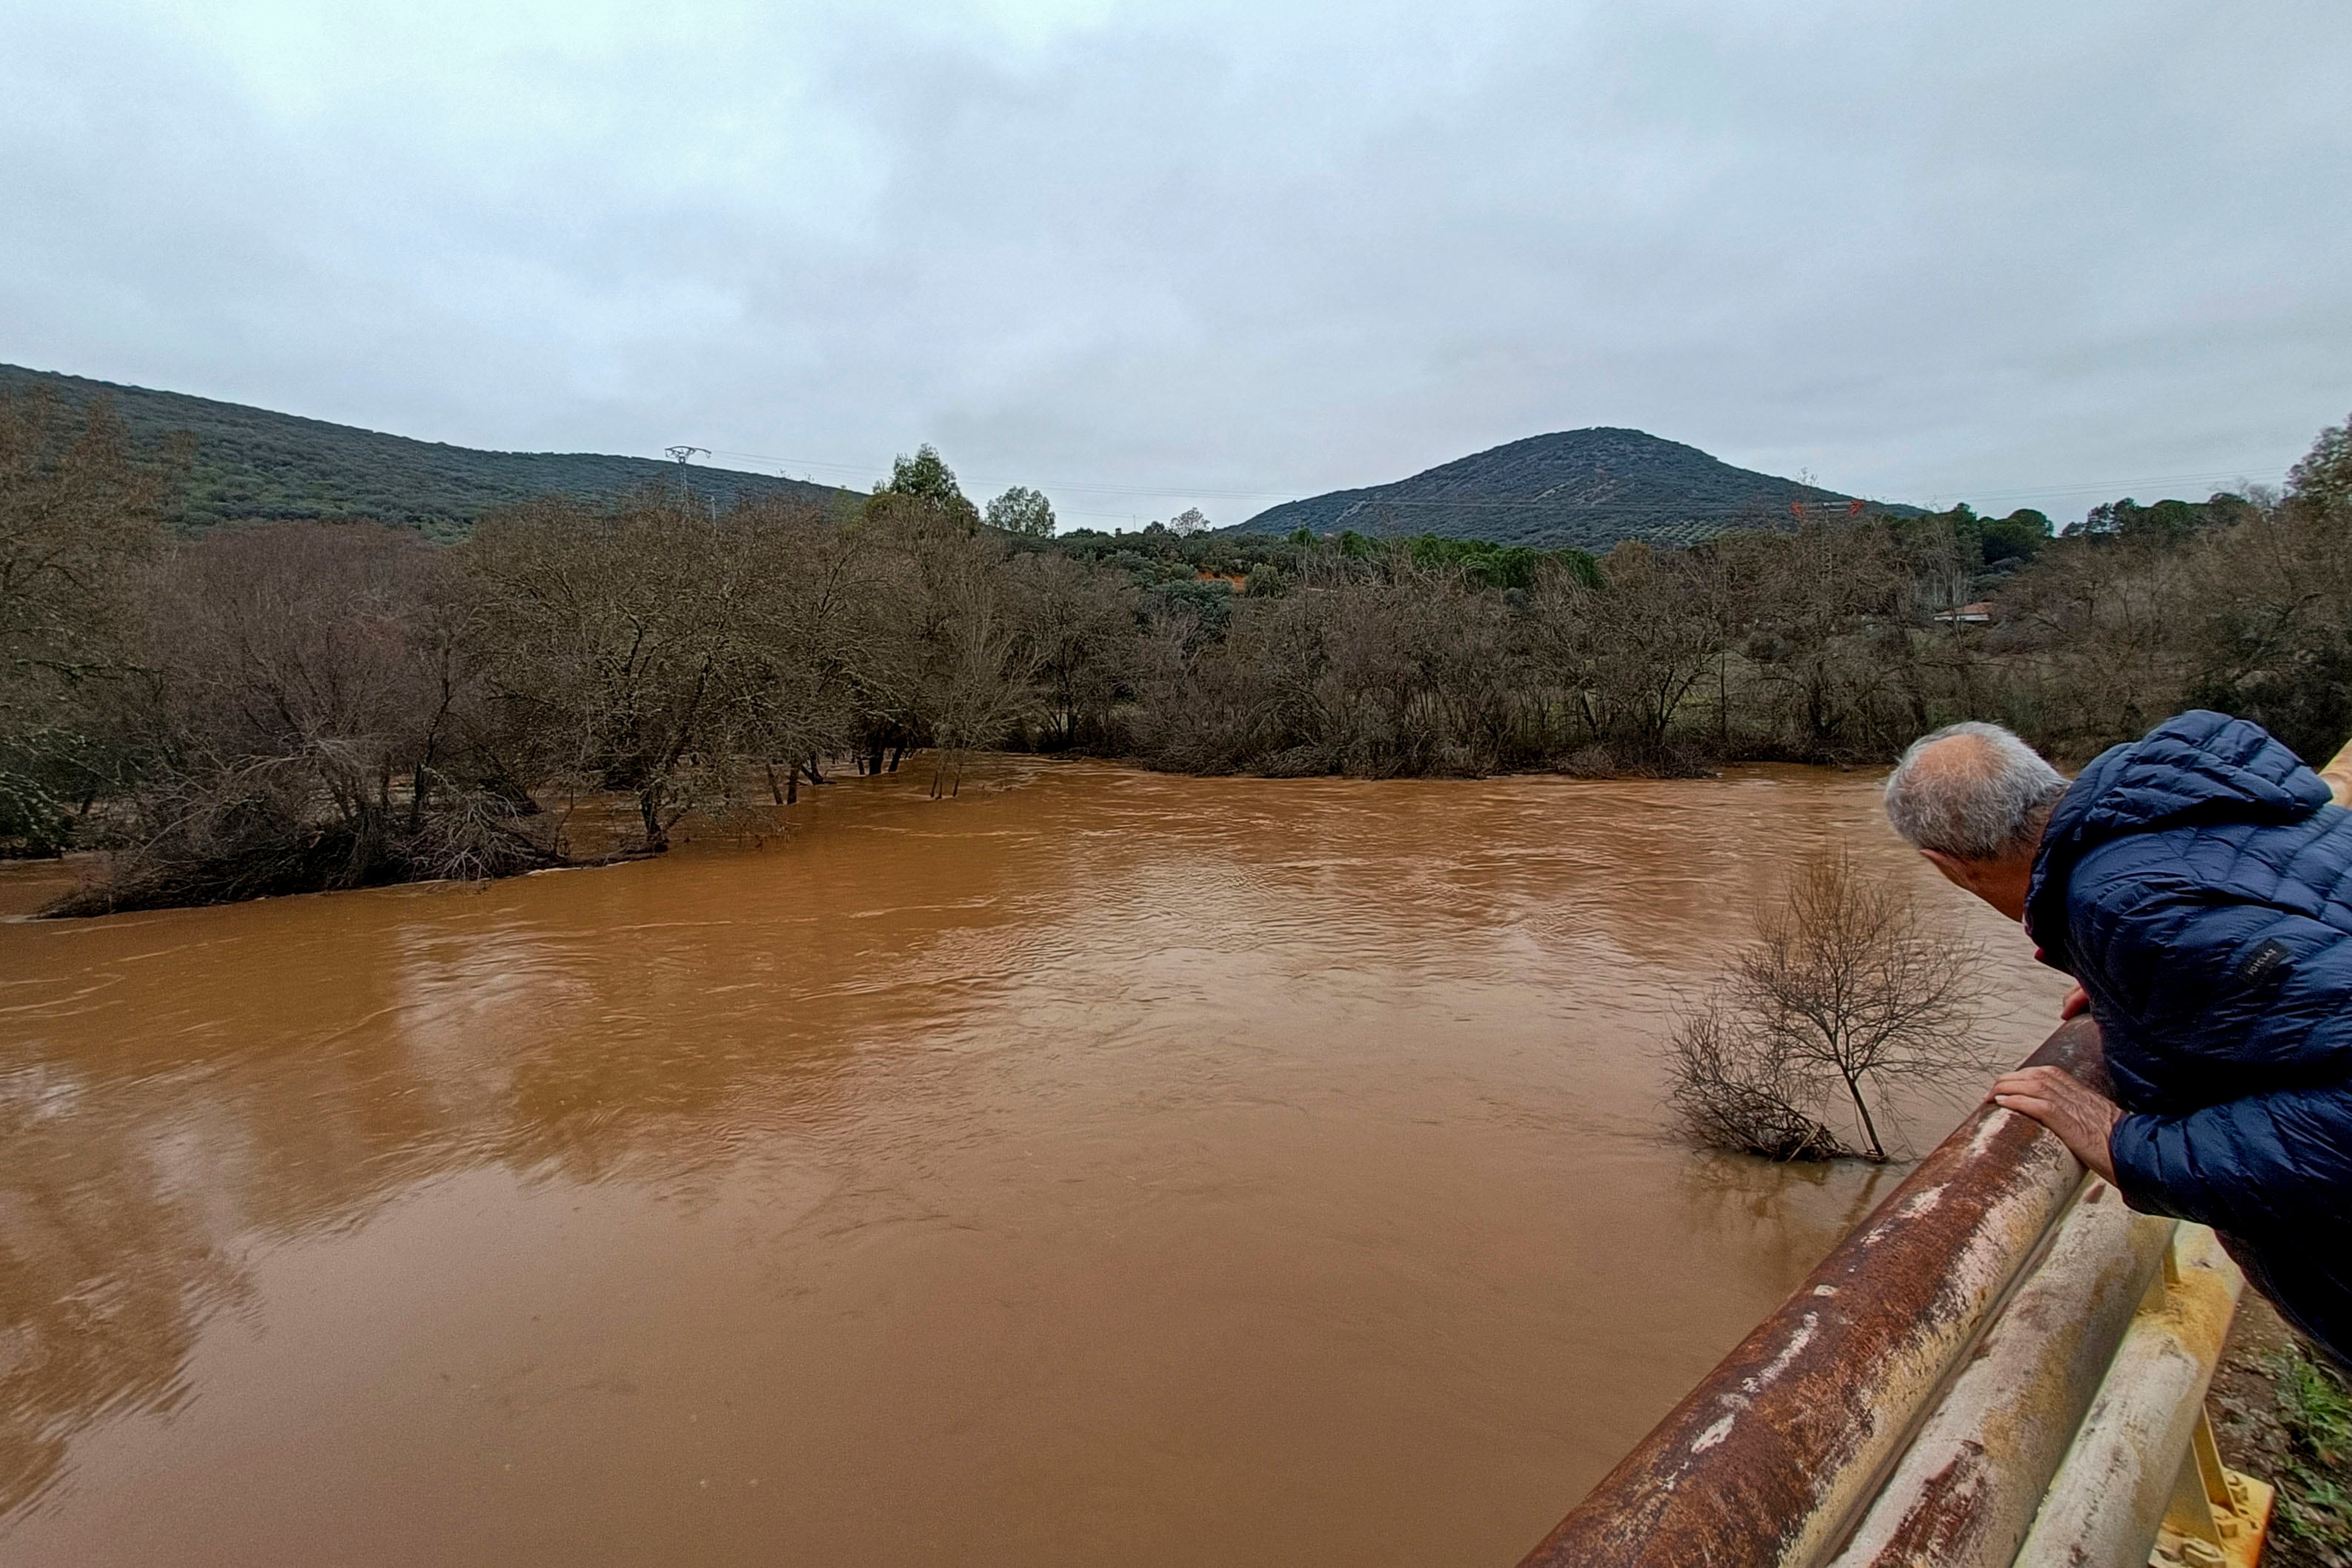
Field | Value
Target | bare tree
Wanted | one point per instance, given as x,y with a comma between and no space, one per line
1628,650
940,652
1373,668
978,684
1829,588
625,636
79,519
1078,628
296,683
791,698
1848,989
2099,627
1723,578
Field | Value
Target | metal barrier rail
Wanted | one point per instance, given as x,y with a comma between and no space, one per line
2002,1365
1771,1456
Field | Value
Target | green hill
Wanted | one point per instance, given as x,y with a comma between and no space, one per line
1589,488
252,465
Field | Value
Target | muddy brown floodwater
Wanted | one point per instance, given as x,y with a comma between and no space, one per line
1099,1167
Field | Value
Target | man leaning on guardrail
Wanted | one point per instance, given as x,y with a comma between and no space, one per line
2196,883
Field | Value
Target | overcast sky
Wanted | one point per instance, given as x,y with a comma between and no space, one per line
1147,257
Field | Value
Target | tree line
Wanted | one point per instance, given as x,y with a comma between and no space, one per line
288,706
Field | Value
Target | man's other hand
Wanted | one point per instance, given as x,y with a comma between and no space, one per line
2077,1002
2082,1118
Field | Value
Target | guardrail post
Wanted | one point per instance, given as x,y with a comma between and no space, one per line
2218,1518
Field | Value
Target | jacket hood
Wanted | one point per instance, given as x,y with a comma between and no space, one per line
2198,768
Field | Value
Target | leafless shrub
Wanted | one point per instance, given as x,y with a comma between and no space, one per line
306,718
1848,991
1739,1087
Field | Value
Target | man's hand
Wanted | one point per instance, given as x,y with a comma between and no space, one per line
2082,1118
2077,1002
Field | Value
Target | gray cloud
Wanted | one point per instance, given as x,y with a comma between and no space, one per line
1220,254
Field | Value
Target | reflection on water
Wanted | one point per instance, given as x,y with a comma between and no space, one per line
1188,1169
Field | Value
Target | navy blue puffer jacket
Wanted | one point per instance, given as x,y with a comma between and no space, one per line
2198,882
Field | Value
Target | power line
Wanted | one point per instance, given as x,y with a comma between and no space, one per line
2101,487
2111,487
1057,484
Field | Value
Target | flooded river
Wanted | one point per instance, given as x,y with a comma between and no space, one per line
1097,1167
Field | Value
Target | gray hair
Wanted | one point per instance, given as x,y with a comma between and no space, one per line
1985,799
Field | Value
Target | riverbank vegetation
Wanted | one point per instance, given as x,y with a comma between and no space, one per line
2314,1417
2282,1412
280,706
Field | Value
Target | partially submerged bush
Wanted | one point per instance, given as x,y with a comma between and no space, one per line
1847,991
269,832
1737,1089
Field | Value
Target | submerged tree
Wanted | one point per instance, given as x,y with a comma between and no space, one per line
940,653
1739,1087
1848,991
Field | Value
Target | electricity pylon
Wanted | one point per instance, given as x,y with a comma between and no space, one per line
681,454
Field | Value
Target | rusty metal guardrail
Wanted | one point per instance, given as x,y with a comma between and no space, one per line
2002,1367
1771,1457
